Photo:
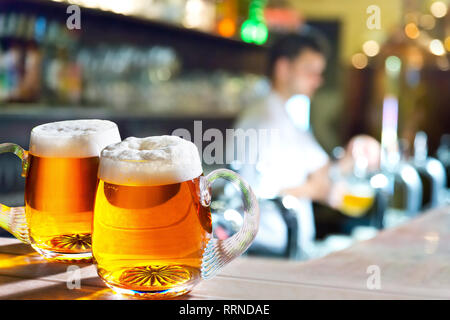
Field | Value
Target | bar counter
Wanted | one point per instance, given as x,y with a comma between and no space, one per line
408,262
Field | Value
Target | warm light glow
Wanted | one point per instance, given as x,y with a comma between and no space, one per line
22,260
119,6
414,57
102,294
447,43
226,27
193,14
436,47
412,17
443,63
438,9
427,21
371,48
199,14
359,60
412,31
424,39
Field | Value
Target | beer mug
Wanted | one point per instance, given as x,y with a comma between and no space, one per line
352,193
356,196
152,231
61,180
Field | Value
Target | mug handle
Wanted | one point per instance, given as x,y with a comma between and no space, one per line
13,220
218,253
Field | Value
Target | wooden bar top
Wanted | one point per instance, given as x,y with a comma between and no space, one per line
408,262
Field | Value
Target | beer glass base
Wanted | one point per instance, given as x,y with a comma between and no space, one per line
154,294
151,281
64,257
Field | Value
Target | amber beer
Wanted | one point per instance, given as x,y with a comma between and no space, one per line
357,200
150,228
61,184
355,205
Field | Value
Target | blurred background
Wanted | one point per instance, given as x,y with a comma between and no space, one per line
153,66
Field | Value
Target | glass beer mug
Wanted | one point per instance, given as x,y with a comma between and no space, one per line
61,180
152,232
352,194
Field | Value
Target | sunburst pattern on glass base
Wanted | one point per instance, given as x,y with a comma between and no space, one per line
151,281
155,276
66,248
72,242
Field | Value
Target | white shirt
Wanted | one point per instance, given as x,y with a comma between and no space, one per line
285,160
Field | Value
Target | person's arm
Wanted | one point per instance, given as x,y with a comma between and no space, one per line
316,187
319,183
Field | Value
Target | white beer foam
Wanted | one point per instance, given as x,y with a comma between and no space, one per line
73,138
150,161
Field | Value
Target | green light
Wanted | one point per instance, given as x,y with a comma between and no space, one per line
260,33
254,31
256,11
247,30
393,65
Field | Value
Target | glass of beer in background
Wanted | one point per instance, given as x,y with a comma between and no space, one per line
152,232
61,180
351,192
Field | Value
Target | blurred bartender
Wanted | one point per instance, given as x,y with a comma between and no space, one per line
292,164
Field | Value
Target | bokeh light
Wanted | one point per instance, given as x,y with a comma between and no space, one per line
415,57
438,9
443,64
393,65
412,17
427,21
254,31
371,48
359,60
412,31
226,27
447,43
436,47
